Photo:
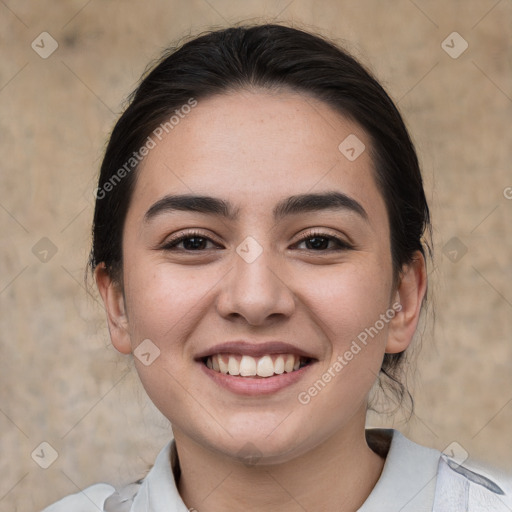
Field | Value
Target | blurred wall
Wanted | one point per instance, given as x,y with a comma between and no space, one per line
62,382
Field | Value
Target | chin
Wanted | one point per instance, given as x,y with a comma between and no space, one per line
261,445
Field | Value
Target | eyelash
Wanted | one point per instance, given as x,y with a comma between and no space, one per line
342,244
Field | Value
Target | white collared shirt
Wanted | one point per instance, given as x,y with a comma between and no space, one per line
414,479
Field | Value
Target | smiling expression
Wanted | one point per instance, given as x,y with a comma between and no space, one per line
252,245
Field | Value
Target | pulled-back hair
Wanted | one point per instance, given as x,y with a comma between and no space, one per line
272,57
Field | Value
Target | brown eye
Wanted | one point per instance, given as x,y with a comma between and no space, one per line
192,241
317,241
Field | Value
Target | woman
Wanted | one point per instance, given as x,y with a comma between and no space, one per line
258,243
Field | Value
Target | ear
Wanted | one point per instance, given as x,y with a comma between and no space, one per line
410,293
113,299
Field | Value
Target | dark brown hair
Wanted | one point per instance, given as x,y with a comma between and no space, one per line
268,56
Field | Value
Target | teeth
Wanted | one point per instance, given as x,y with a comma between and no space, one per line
223,366
233,366
279,365
248,366
265,367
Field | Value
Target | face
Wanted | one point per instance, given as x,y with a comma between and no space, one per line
294,287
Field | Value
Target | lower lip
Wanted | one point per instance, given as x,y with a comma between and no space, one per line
255,385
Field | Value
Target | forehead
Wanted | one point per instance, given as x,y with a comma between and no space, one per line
255,147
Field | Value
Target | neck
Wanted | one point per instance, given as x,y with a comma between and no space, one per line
338,474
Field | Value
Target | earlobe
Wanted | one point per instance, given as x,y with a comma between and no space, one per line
115,307
410,292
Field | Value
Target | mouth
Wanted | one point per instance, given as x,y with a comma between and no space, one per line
264,367
254,369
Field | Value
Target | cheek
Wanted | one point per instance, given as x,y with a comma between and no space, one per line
348,299
161,300
348,306
164,306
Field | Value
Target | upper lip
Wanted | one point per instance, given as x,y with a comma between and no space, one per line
258,349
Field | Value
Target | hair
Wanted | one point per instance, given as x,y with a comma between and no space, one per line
267,56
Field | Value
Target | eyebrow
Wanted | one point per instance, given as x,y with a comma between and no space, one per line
292,205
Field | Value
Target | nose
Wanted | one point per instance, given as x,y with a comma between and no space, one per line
256,290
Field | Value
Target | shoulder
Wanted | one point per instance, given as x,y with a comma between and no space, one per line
103,497
99,497
477,486
90,499
420,478
472,485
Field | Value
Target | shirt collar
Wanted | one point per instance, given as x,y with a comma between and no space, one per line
159,492
408,478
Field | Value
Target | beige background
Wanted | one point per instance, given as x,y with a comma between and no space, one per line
61,381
